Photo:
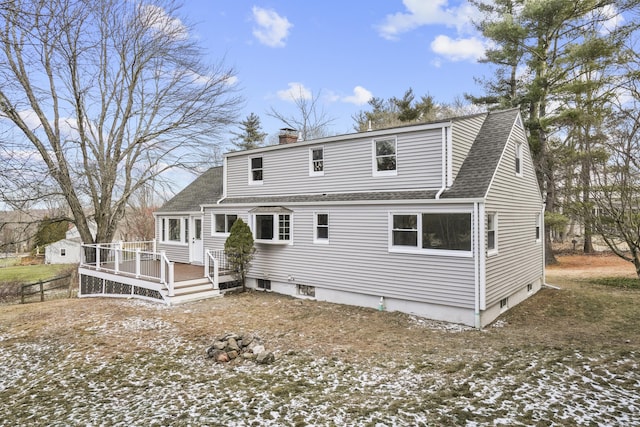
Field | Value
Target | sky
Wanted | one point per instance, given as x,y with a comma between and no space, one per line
344,52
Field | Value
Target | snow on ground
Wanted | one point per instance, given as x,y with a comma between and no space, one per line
46,383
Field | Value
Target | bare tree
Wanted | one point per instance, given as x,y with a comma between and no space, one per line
102,97
311,120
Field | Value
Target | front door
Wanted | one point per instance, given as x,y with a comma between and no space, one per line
197,248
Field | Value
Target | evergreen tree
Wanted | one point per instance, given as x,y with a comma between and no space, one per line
50,231
239,250
532,40
397,112
250,135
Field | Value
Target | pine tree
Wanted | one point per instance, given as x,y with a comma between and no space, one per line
239,250
250,135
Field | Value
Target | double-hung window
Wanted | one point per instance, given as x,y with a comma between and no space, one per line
492,232
222,223
255,170
272,226
175,230
316,161
538,228
385,156
446,233
518,164
321,232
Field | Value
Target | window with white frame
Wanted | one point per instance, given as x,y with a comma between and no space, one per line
255,170
272,227
316,161
175,230
405,230
447,233
63,252
222,223
518,164
492,232
385,156
321,233
538,228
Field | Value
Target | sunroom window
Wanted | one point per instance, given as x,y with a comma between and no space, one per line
175,230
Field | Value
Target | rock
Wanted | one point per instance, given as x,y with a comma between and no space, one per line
232,344
257,349
247,340
248,356
213,353
219,345
222,357
232,354
265,358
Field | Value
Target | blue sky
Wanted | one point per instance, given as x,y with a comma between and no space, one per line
345,51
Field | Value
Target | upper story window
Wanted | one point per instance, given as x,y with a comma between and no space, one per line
272,225
492,232
316,161
222,223
321,233
174,230
518,165
255,170
385,156
446,233
538,228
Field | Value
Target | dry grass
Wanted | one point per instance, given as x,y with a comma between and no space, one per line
553,359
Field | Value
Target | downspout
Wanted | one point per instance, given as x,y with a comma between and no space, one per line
479,261
445,160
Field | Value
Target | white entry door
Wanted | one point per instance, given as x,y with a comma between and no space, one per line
196,245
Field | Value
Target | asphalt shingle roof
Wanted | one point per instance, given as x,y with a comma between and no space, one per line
206,189
334,197
477,170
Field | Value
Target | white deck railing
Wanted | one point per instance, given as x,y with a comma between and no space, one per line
130,258
214,263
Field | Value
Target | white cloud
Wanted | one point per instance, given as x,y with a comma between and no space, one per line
469,49
296,91
613,17
158,19
360,96
421,12
272,29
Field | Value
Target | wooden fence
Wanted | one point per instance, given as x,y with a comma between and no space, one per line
43,286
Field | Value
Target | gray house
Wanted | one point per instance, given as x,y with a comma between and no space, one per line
442,220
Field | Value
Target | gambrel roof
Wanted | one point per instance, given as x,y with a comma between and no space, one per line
206,189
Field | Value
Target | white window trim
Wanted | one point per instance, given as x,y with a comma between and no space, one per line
317,239
276,229
165,238
374,162
250,171
213,223
63,252
418,249
312,171
494,251
519,150
539,227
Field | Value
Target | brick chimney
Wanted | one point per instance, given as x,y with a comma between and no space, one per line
287,136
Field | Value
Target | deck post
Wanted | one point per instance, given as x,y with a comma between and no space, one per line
163,273
206,262
116,259
97,256
216,278
137,262
170,281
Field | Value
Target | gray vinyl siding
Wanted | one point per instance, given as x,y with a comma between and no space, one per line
347,167
519,260
464,132
357,258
